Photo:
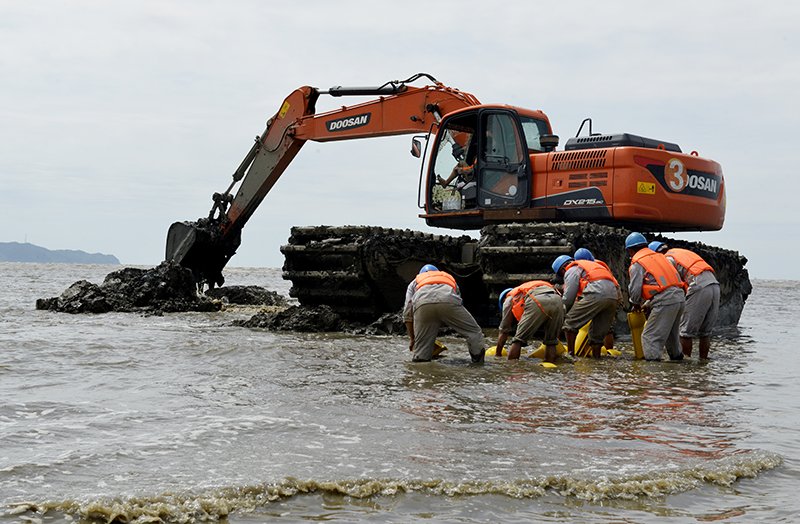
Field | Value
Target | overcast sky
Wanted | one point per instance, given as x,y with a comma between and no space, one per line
119,118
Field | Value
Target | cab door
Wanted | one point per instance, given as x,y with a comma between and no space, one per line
503,162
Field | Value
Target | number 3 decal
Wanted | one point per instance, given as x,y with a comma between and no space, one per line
675,174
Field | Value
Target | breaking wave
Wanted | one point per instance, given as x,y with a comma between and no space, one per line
217,504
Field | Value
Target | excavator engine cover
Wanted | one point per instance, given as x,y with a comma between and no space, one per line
618,140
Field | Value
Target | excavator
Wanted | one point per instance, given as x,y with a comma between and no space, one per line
491,167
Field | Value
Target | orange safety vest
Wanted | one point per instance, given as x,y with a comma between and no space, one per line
435,277
592,270
519,293
690,260
657,266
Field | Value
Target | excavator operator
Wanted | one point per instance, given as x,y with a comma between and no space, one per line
464,170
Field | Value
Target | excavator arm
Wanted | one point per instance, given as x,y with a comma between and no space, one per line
206,245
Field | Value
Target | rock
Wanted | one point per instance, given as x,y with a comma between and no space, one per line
80,297
166,288
247,295
387,324
295,318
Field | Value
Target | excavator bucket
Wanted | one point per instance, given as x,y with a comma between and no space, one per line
201,247
181,238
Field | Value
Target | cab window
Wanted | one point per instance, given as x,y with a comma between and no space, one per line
534,129
504,162
500,144
453,182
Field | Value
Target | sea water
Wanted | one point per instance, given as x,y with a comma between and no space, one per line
184,417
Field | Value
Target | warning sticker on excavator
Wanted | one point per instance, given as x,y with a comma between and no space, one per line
646,188
284,109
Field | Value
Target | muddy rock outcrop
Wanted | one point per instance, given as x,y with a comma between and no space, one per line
167,288
247,295
387,324
296,318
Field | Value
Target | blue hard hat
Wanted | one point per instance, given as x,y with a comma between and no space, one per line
635,239
559,262
503,298
428,267
655,245
583,254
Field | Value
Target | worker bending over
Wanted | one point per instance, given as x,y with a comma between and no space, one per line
531,306
656,286
584,254
433,299
591,294
702,296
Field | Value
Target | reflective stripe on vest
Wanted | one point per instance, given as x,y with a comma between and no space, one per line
435,277
660,269
518,296
690,260
592,270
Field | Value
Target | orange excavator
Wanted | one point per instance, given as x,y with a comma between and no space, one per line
489,165
206,246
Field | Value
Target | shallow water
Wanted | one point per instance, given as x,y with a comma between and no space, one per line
184,417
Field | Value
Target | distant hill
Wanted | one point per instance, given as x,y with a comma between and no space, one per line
16,252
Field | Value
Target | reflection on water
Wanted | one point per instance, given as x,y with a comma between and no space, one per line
185,417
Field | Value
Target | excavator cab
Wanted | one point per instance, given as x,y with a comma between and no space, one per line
480,160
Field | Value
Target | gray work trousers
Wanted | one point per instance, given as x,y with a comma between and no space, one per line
550,315
663,329
700,314
428,318
599,310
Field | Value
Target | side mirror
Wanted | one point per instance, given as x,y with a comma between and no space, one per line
549,142
416,147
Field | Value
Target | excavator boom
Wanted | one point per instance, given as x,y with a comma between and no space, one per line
206,245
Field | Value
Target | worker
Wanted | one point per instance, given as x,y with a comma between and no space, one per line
591,294
433,299
702,296
584,254
656,287
531,306
464,170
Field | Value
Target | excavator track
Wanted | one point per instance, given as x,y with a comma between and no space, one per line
362,272
510,254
